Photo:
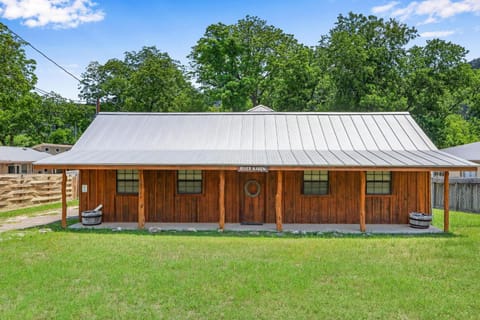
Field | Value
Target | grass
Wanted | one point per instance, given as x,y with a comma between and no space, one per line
105,275
34,210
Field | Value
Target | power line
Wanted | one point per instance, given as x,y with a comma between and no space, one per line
51,94
44,55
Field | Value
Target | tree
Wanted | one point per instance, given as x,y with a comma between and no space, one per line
457,131
17,78
439,82
249,63
62,121
366,59
148,80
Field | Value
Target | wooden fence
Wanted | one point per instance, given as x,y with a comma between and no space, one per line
464,194
23,190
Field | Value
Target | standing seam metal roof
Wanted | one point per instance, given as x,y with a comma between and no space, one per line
262,138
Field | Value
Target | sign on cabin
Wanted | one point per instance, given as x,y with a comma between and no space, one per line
252,169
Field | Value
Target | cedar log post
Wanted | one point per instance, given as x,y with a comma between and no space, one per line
362,200
446,202
141,200
221,200
279,201
64,199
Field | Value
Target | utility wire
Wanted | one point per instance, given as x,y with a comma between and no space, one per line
44,55
45,93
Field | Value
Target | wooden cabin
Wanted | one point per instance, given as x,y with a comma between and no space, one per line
256,167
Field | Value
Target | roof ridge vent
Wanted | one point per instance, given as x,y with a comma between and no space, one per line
260,108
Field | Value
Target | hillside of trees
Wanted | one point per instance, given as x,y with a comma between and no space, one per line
364,63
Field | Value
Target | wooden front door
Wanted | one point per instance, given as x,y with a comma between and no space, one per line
252,195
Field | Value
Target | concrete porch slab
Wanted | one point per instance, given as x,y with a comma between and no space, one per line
268,227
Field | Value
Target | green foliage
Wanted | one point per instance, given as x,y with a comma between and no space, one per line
440,84
371,69
25,117
145,81
458,131
17,78
366,61
249,63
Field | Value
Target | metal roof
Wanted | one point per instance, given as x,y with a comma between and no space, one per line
255,138
20,154
469,151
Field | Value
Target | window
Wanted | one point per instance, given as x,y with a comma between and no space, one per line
379,182
127,181
315,182
24,168
189,181
12,168
468,174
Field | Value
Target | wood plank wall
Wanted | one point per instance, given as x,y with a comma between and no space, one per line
410,192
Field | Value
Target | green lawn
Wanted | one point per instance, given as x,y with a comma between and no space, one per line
107,275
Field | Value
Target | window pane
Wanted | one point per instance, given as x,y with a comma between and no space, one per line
127,181
316,187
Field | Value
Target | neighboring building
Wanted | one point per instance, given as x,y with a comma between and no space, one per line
52,148
18,160
256,167
471,152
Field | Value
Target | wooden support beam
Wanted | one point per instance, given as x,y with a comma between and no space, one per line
64,199
141,199
221,200
446,202
363,191
279,201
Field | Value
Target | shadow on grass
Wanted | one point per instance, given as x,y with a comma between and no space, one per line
56,226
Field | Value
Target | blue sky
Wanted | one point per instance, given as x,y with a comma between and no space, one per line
75,32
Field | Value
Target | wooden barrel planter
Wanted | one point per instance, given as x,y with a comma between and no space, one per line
92,217
420,220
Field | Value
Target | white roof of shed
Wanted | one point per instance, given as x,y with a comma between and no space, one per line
20,155
260,138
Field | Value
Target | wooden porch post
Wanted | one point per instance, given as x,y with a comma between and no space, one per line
279,201
446,202
141,200
64,198
221,200
363,184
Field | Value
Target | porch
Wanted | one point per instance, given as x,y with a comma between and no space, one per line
268,227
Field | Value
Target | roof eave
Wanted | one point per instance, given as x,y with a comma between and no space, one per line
235,167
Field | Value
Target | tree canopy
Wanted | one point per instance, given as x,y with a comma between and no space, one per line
25,117
250,63
147,80
364,63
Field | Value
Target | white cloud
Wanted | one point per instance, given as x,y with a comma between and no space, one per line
437,34
55,13
433,10
385,8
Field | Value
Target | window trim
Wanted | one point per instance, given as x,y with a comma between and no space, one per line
177,191
125,180
389,193
316,194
